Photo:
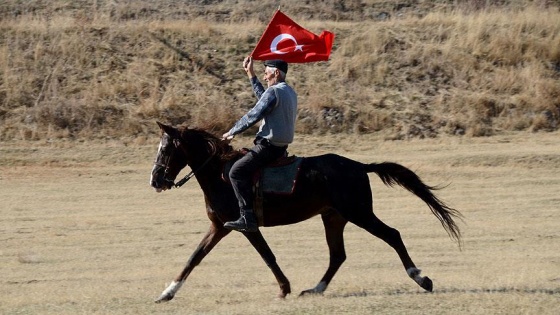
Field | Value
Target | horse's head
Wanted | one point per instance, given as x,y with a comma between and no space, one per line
183,146
170,159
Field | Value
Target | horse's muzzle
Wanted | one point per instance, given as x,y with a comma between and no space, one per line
158,180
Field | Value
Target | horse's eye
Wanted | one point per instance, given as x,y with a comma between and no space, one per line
167,146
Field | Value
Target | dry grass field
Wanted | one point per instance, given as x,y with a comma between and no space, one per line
83,233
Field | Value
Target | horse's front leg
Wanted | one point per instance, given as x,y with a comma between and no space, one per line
259,243
212,237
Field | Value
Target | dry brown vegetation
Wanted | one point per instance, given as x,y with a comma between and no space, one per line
108,69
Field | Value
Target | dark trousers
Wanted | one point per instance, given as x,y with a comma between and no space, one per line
243,170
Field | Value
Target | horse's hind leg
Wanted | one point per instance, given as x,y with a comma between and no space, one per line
334,228
391,236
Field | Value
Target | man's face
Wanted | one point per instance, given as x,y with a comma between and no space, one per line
270,76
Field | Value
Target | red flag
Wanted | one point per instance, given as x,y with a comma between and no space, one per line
284,39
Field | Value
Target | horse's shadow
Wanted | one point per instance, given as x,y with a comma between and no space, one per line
498,290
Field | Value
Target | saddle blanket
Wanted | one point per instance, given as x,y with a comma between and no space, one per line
278,178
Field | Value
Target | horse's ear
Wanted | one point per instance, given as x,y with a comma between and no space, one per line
167,129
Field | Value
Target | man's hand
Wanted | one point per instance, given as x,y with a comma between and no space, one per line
248,67
227,136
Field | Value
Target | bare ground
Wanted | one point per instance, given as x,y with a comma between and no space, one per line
82,232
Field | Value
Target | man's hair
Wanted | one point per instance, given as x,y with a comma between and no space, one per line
282,73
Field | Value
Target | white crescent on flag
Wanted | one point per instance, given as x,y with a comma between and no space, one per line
281,37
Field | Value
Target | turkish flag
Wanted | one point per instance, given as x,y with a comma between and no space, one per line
284,39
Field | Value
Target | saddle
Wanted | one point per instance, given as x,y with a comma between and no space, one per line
279,177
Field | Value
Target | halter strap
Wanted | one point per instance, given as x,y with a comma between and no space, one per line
193,172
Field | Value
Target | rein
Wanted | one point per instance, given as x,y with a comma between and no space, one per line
192,172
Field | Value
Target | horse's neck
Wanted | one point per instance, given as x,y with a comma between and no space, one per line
208,175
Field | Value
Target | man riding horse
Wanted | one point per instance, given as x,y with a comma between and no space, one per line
276,108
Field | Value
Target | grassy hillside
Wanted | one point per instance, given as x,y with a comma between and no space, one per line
107,69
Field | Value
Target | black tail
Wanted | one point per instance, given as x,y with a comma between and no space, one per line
393,173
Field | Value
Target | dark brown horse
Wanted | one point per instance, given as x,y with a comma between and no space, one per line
332,186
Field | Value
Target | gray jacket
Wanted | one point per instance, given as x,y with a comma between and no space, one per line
276,108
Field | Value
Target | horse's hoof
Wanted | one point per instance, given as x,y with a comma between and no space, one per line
427,284
282,295
164,298
285,289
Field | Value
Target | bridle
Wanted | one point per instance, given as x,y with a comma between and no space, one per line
178,144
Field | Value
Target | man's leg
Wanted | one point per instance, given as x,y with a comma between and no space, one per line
241,177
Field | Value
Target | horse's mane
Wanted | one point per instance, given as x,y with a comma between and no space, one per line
222,148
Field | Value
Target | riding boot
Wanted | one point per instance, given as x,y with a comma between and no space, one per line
247,222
